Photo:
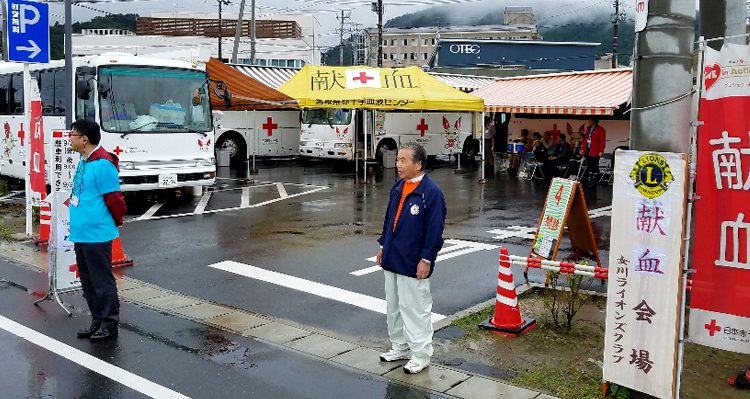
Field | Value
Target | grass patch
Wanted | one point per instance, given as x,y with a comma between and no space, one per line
470,323
561,381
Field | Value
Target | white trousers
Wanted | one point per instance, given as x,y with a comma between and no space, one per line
409,315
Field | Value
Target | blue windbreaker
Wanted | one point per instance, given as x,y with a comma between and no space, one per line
419,232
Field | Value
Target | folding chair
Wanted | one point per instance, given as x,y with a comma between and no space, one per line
532,167
605,169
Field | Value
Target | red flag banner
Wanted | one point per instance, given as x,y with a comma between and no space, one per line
720,300
36,153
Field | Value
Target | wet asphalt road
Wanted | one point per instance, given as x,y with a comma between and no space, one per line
325,235
319,225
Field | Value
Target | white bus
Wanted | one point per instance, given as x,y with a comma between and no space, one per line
330,132
155,114
264,133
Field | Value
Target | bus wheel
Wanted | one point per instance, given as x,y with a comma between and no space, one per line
236,146
470,149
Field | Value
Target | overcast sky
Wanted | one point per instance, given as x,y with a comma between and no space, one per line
327,10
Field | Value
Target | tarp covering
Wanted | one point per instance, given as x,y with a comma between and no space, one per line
573,93
376,88
247,93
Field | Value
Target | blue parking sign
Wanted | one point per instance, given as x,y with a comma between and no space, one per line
28,31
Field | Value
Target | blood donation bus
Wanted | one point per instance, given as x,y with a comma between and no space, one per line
154,113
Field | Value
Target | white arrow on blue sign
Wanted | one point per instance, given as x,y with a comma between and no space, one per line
28,31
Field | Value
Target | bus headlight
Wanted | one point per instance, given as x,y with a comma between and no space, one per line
205,162
342,145
127,165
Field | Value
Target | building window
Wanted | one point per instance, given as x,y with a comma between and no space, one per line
433,42
404,55
405,42
424,55
393,42
392,55
413,56
385,56
413,42
426,41
385,42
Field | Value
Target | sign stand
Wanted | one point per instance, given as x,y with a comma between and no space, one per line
565,207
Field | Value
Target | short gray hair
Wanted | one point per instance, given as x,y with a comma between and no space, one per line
418,153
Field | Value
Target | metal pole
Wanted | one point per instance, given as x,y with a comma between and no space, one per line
256,141
615,29
689,214
27,149
364,128
68,64
483,179
380,33
252,32
663,79
341,40
220,32
238,33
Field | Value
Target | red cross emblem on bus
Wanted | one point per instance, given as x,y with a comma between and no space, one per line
74,268
422,127
269,126
21,134
712,327
118,150
363,77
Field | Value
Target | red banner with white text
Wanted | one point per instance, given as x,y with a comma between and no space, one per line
720,299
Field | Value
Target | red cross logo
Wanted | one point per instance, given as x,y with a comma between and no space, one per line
21,134
118,150
555,131
269,126
422,127
363,77
712,328
74,268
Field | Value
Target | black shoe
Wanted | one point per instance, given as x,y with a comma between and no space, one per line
104,334
87,332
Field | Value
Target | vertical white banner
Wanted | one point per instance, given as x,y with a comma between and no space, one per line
641,14
645,265
62,261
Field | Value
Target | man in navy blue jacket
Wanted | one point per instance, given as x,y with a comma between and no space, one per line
412,236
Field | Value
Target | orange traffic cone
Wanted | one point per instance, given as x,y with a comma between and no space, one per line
507,319
45,217
119,259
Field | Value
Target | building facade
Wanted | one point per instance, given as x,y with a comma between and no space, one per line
415,47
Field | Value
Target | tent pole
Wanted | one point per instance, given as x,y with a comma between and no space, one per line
482,179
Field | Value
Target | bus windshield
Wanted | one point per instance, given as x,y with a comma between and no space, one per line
146,99
327,116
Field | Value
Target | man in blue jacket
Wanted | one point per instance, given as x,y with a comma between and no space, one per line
96,209
412,236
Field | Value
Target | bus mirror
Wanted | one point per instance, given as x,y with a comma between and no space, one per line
103,90
227,97
82,89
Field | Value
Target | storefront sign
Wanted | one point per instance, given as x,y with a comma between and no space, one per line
645,262
720,300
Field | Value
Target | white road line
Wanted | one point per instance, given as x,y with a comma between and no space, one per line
203,203
92,363
245,197
151,211
311,287
282,190
236,208
457,248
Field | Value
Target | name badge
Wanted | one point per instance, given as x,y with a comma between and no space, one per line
74,200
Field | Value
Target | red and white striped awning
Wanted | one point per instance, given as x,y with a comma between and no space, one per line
574,93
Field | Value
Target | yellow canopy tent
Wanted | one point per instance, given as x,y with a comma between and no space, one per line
376,88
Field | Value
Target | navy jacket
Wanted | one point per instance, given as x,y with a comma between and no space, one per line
419,232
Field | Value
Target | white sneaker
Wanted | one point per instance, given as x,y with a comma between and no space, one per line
414,367
395,354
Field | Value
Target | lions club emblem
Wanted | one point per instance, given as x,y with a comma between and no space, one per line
651,175
415,209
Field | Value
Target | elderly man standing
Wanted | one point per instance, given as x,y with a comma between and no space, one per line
411,238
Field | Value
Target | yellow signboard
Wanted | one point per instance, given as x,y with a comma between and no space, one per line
376,88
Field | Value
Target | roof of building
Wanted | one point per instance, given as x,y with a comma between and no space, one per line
465,83
463,29
598,92
268,75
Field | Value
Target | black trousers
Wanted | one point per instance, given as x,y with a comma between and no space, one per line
95,268
592,168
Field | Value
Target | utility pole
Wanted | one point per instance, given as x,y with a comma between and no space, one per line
378,8
617,17
342,18
68,64
252,32
238,32
221,2
720,18
663,78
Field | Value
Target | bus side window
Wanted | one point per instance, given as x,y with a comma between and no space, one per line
4,90
85,108
16,94
52,89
